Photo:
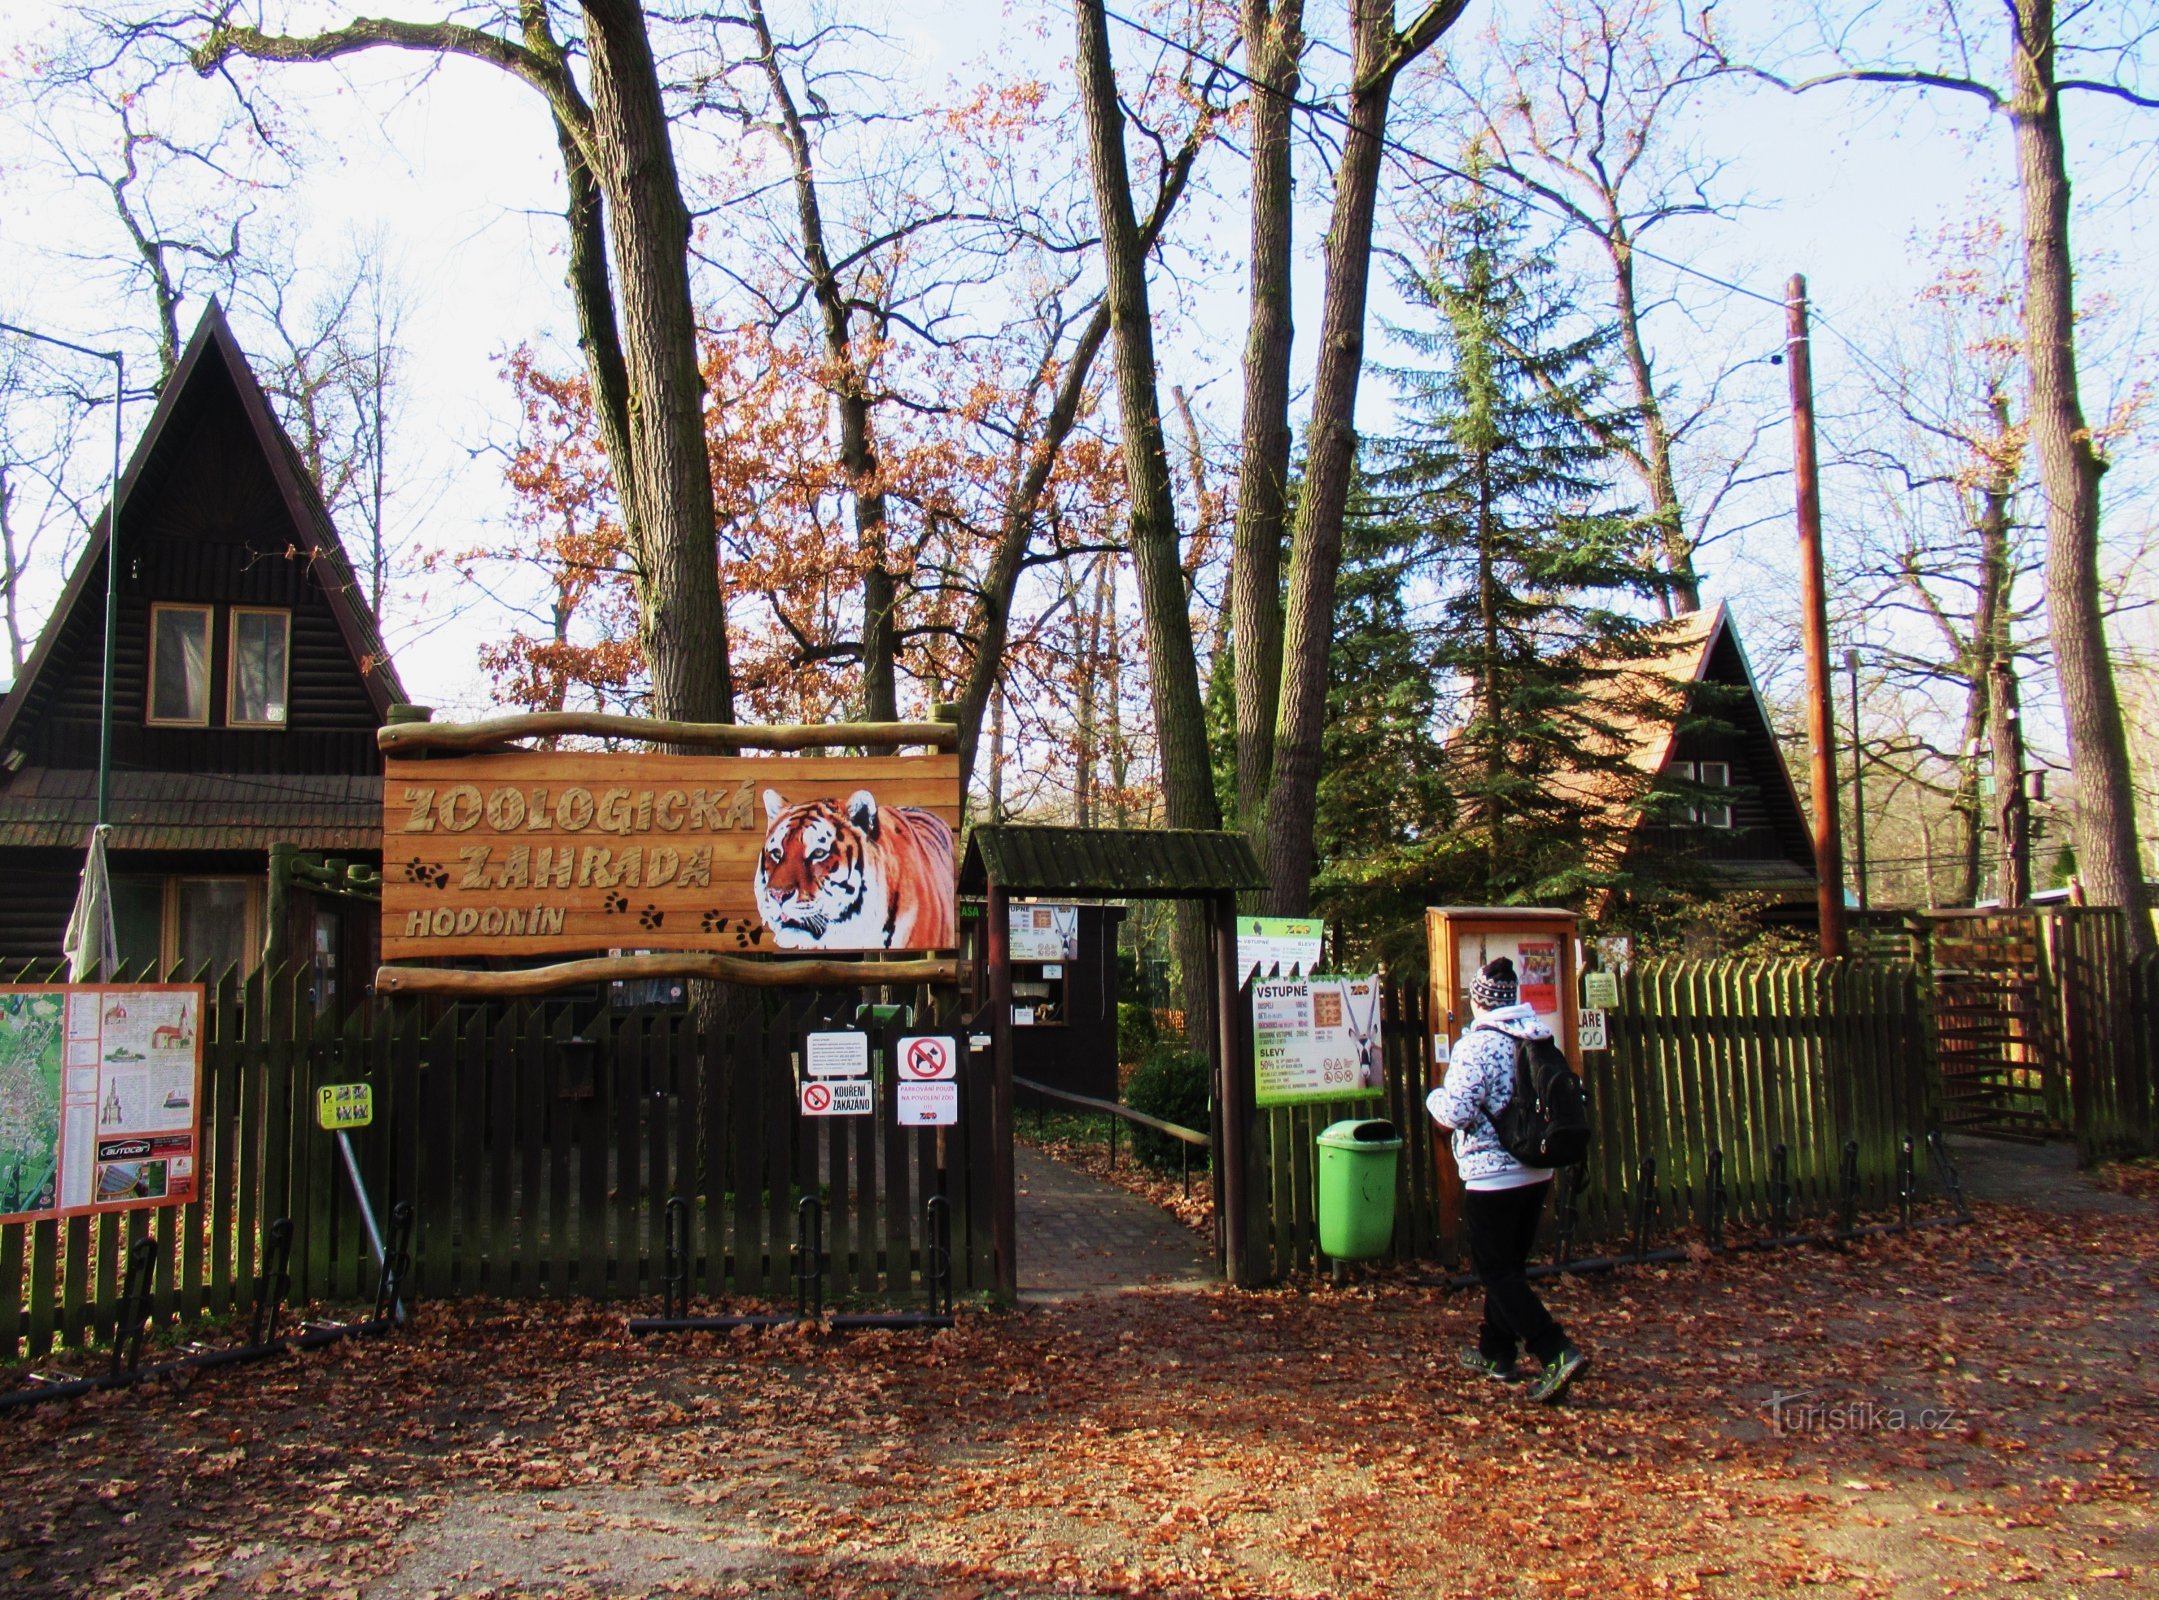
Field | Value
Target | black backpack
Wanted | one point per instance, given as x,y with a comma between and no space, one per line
1546,1124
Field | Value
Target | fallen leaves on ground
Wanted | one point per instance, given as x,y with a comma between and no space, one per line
1959,1411
1192,1205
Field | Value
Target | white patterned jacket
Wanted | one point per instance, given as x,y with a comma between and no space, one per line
1478,1085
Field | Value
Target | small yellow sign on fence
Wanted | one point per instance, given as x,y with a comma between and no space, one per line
345,1105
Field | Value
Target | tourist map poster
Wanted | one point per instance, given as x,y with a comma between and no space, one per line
99,1094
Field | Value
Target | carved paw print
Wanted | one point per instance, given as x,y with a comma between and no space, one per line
427,874
747,936
651,917
713,922
616,902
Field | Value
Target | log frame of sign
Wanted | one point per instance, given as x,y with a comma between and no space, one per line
491,733
749,971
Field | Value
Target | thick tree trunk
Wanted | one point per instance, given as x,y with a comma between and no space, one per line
993,609
1165,611
2069,472
1379,54
1180,719
859,457
1274,47
678,582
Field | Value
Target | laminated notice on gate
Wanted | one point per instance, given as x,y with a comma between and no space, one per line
927,1105
837,1055
838,1097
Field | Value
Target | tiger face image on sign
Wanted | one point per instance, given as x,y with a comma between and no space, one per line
855,876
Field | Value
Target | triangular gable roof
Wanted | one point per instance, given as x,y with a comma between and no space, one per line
213,341
1665,681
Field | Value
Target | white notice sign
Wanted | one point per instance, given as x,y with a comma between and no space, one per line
1600,989
927,1105
838,1097
838,1055
927,1058
1592,1031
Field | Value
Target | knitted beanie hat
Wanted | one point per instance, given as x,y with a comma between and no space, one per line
1494,986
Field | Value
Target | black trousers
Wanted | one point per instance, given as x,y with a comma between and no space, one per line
1502,1227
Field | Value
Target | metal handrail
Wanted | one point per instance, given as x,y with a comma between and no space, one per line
1113,1108
1187,1138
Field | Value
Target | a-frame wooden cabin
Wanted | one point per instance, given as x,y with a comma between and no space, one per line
1753,837
249,680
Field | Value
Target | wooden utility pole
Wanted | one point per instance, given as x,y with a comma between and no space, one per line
1814,627
2012,813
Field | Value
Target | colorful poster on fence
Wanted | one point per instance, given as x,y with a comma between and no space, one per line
1316,1038
99,1094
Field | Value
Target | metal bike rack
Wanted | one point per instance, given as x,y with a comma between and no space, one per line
1783,1227
807,1265
131,1325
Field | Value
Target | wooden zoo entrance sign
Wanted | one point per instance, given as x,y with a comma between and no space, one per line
523,853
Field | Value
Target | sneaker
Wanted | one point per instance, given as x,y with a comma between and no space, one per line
1552,1382
1491,1366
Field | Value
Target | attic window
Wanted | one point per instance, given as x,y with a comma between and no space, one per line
261,641
1707,775
180,665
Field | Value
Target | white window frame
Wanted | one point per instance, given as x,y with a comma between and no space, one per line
1714,814
1705,813
208,614
232,668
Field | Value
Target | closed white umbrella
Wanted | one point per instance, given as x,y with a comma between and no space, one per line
93,943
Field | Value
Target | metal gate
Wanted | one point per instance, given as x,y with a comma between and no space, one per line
1997,1024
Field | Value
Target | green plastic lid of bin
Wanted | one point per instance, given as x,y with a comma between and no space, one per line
1361,1133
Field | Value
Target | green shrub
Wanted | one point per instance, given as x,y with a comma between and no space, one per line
1171,1083
1135,1030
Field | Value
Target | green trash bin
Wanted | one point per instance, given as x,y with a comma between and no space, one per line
1356,1188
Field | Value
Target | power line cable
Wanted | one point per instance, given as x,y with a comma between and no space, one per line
1408,152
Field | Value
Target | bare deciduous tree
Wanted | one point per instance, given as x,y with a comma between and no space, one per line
1379,53
629,278
1585,109
1941,51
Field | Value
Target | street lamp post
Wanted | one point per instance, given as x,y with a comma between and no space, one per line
1859,783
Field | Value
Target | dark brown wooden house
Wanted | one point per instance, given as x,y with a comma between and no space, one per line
249,680
1742,829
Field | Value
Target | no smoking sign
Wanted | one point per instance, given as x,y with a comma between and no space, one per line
844,1097
928,1058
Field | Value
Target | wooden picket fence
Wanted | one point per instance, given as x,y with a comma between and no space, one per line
537,1165
2107,1018
1733,1056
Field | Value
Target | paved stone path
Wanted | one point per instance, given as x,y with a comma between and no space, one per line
1080,1235
2042,1176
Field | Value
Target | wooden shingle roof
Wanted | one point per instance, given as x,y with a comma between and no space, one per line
51,809
1112,863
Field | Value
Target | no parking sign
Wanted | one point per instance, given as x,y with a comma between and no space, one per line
928,1058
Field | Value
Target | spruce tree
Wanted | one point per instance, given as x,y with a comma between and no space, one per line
1382,833
1507,466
